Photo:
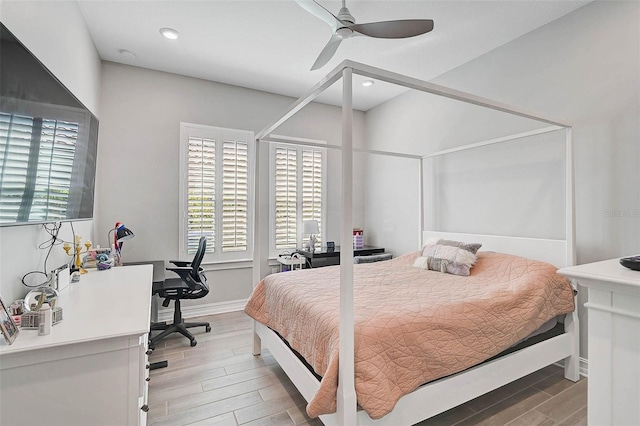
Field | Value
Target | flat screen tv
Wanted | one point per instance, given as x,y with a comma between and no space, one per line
48,143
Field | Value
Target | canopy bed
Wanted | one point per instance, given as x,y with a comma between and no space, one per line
403,398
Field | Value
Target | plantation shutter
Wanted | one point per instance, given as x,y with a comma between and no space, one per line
286,198
312,188
216,192
235,193
297,194
37,157
201,189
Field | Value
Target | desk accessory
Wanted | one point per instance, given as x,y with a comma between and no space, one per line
44,320
76,252
30,320
121,234
99,258
43,294
632,262
7,325
60,279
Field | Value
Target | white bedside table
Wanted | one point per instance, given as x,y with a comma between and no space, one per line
291,262
614,341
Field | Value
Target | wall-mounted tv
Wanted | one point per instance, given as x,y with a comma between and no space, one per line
48,143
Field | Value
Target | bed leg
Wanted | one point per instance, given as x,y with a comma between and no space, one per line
257,343
347,407
572,363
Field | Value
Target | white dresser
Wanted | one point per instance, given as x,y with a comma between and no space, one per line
92,368
614,341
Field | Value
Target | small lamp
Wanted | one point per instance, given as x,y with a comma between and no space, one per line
122,233
310,227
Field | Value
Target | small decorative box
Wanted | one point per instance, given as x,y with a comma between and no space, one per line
29,320
358,239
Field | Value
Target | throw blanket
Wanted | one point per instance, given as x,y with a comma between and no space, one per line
412,326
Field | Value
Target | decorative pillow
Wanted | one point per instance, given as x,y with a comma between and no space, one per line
448,259
472,247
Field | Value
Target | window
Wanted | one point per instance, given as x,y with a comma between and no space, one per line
37,158
216,181
297,194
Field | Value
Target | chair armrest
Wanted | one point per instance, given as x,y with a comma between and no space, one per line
180,263
180,270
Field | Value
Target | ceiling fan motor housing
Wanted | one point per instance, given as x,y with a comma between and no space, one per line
345,15
344,32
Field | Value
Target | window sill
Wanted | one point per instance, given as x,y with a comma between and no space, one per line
228,264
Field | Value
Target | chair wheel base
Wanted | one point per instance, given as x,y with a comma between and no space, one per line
207,329
194,342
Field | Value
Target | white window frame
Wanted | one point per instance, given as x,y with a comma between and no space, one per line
188,130
273,252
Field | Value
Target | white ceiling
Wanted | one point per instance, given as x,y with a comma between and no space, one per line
270,45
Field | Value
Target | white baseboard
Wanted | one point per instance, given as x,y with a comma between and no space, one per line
584,366
205,309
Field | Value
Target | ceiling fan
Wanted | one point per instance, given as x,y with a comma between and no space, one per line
344,26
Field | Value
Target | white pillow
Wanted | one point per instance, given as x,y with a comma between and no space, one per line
448,259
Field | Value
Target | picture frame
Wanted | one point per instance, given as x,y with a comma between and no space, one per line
8,327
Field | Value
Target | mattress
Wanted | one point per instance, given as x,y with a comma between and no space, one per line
412,326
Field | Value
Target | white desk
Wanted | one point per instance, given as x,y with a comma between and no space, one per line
614,341
92,368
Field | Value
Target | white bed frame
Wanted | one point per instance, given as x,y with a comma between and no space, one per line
444,394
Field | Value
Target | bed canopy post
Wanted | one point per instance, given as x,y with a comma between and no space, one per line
420,202
257,246
571,325
346,398
570,220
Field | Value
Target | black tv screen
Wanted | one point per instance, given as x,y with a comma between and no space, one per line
48,143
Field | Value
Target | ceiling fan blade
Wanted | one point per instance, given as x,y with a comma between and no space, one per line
327,53
394,29
320,12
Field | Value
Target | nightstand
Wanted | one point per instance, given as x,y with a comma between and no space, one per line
289,263
614,340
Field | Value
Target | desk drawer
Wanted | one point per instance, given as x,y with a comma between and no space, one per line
368,252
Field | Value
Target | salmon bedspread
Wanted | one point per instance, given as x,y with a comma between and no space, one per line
411,325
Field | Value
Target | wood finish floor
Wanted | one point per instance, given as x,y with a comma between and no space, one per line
219,382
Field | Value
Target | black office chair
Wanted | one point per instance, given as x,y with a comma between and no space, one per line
192,284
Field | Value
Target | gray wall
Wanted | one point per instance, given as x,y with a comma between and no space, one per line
139,151
583,68
71,56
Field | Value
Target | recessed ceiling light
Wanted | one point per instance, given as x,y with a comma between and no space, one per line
367,83
169,33
128,55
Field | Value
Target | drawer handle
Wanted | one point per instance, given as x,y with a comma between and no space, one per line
145,408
